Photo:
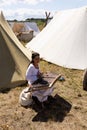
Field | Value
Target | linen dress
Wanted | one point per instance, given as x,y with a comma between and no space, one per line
31,77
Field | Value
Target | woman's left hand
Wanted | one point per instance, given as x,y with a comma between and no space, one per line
40,75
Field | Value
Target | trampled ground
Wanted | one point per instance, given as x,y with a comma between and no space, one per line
68,112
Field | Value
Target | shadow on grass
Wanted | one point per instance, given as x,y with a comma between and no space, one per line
56,111
6,90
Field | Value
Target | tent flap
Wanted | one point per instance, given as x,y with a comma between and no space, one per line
14,58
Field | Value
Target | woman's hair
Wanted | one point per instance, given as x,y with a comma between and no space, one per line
33,57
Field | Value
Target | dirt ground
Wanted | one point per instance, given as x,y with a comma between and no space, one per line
67,112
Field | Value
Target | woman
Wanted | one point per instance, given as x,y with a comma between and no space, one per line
34,76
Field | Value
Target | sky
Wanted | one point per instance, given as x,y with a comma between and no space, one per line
23,9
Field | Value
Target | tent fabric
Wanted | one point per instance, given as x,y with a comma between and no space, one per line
34,27
64,40
22,31
25,36
17,27
14,57
24,27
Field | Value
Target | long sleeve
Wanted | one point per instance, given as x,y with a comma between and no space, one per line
31,74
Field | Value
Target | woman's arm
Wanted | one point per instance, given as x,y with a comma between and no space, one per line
28,78
29,74
40,74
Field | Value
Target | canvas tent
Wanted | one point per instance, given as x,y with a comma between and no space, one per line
64,40
14,58
34,27
22,31
25,27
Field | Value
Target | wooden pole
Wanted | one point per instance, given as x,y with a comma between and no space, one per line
44,87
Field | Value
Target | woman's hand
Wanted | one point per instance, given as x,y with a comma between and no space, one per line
39,75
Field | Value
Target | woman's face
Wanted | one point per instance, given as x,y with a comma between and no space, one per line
36,60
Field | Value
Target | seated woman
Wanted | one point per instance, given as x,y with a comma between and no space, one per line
34,76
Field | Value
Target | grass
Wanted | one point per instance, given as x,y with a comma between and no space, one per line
68,113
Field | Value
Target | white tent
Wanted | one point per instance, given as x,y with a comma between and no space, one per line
64,40
33,26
